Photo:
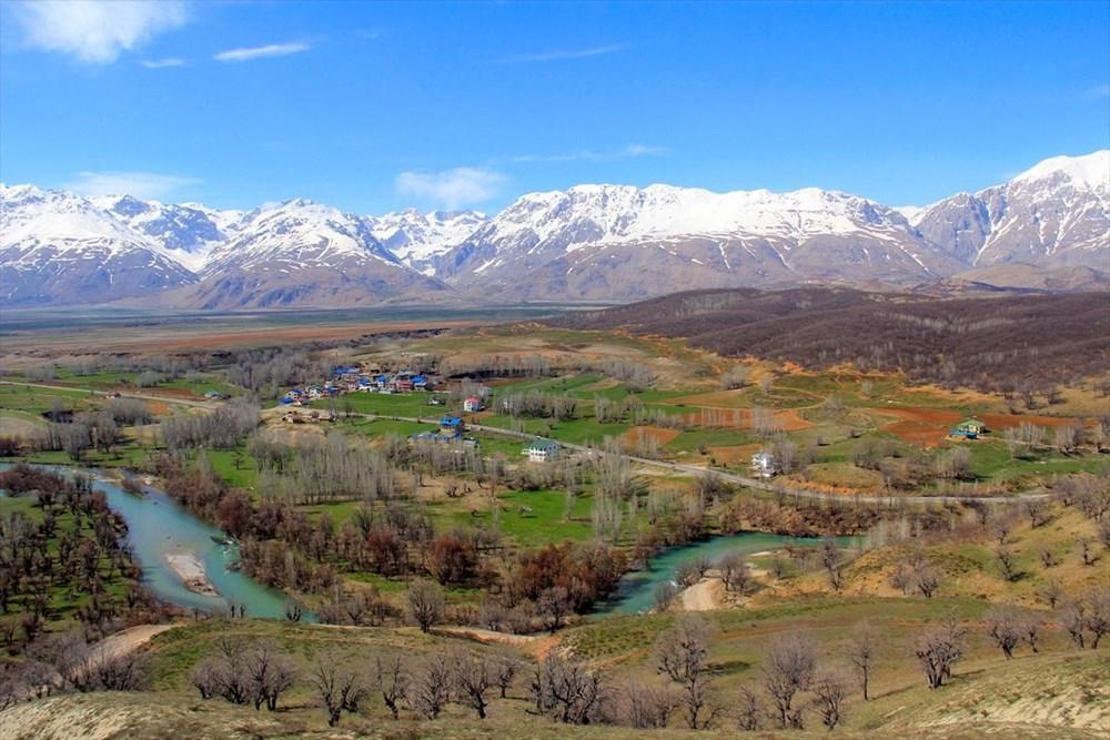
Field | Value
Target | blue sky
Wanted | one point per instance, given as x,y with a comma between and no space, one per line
373,107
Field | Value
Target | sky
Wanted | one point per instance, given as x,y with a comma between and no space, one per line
373,107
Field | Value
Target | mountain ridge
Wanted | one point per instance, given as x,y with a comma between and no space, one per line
588,242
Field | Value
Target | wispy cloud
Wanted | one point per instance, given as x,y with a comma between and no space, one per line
95,31
1098,92
627,152
139,184
559,55
452,188
163,63
250,53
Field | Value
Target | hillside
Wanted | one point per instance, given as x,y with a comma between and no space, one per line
989,342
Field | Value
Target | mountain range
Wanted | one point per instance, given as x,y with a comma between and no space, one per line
1047,228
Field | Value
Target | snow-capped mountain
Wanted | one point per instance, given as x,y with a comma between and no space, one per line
303,252
596,242
419,238
188,230
1058,212
57,247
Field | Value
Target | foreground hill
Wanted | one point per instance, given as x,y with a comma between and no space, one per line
587,243
994,342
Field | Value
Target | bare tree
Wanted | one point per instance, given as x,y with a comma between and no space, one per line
1073,619
340,688
789,666
1008,564
473,679
926,578
424,602
681,654
505,668
1051,592
567,690
554,604
1048,558
750,711
861,654
828,695
1098,615
431,689
735,574
664,596
938,650
392,680
645,706
831,561
1006,627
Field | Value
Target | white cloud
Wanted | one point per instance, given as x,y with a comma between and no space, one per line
559,55
261,52
627,152
150,185
95,31
162,63
452,188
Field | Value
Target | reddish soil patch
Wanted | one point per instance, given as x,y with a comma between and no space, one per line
736,418
927,427
1006,421
659,434
734,454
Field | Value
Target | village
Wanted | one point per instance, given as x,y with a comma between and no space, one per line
451,428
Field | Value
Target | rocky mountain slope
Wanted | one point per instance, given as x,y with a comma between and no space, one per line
590,242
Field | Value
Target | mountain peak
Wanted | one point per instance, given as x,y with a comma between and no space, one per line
1089,171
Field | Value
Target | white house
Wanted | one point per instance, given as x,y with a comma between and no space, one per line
541,450
763,464
472,404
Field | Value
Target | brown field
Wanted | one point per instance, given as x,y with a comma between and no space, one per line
659,434
927,427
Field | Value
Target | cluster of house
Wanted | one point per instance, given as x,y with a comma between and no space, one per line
453,429
352,379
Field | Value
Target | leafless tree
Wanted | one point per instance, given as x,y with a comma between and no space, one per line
647,706
424,603
568,691
831,561
1007,564
1098,615
473,677
1073,618
926,578
1051,592
1048,558
750,711
1031,632
1086,552
828,695
789,666
339,687
862,651
554,604
939,649
664,596
1006,627
735,574
505,668
392,680
431,688
1036,510
681,654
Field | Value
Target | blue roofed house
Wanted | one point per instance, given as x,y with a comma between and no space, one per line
451,426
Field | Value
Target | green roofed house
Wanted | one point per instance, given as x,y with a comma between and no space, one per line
969,429
541,450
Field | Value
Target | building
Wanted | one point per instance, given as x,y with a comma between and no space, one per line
763,464
451,426
472,404
969,429
541,450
